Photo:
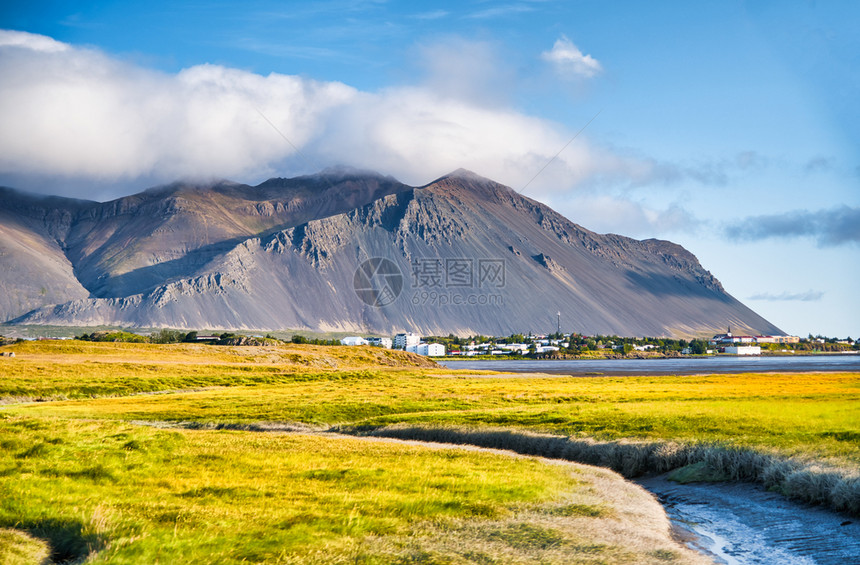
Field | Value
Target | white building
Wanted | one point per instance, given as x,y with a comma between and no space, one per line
404,340
431,349
353,340
521,348
427,349
744,350
380,342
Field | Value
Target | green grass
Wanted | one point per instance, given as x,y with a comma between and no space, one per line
136,494
19,548
54,370
77,472
813,415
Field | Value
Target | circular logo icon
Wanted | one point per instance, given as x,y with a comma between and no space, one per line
378,281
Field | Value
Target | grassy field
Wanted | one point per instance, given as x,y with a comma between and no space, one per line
78,472
137,494
806,415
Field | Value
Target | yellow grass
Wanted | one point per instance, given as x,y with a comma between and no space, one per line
417,508
135,494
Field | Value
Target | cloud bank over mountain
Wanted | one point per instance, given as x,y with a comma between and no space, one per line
75,112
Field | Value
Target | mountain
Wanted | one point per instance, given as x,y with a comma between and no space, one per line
34,270
350,251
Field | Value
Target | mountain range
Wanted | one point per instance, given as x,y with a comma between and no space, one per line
347,251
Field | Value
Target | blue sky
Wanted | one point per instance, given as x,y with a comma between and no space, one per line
729,127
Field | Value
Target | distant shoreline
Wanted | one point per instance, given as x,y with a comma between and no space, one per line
664,366
646,357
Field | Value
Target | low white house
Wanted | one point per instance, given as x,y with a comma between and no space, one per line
353,340
744,350
380,342
431,349
518,347
427,349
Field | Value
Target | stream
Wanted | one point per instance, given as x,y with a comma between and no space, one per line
743,524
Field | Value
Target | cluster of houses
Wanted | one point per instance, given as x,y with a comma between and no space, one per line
407,341
538,345
725,343
413,343
747,344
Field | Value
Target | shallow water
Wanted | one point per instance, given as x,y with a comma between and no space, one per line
673,366
743,524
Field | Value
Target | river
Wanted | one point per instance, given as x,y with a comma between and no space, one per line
668,366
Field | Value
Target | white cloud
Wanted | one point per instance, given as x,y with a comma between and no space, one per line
829,227
77,114
10,38
418,135
615,214
569,61
454,67
501,11
808,296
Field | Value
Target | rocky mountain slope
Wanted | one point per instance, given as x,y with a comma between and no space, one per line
351,251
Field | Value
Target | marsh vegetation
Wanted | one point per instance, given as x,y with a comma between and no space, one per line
79,471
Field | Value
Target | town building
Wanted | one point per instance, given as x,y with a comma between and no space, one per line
427,349
729,339
404,340
353,340
743,350
787,339
380,342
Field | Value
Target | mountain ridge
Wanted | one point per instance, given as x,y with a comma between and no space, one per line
291,261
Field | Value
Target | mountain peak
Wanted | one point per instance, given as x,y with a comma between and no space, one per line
467,175
465,182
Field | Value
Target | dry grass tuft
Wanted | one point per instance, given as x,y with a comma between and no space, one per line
19,548
833,487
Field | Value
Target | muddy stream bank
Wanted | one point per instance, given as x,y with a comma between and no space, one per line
743,524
